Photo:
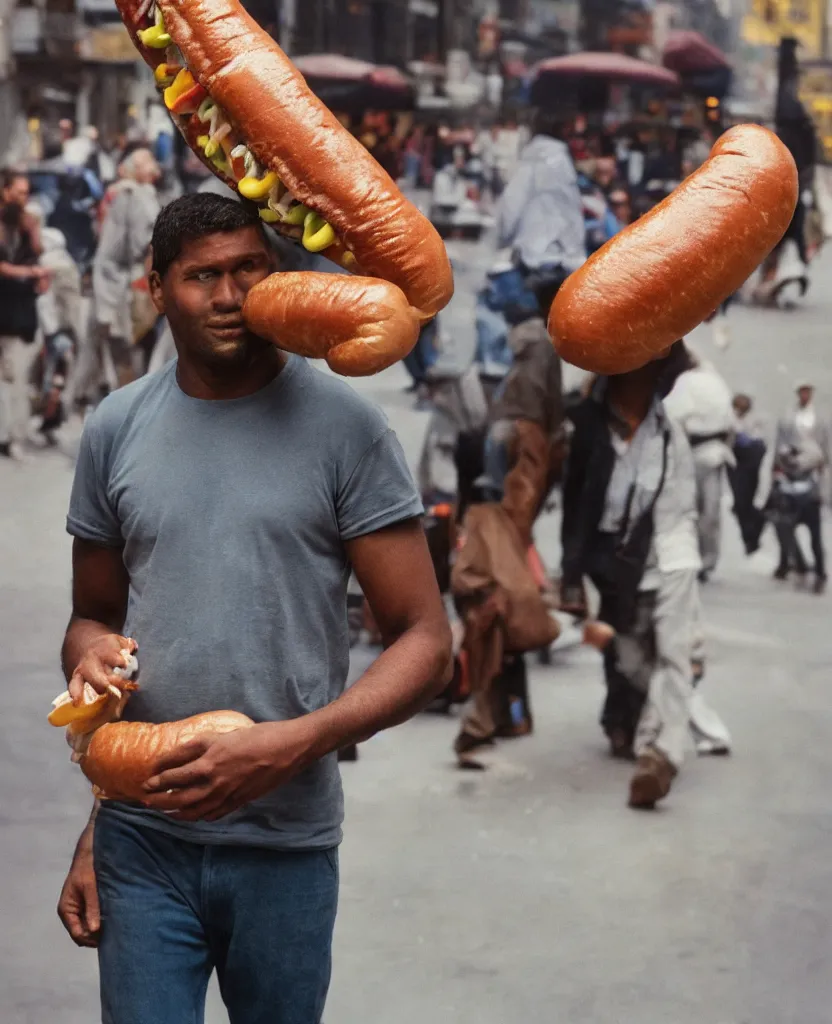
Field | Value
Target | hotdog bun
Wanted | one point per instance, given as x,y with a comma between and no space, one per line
247,112
664,274
122,756
358,324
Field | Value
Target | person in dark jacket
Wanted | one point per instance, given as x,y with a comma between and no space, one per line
21,280
629,524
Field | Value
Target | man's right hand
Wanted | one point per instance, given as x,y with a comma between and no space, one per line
78,906
96,666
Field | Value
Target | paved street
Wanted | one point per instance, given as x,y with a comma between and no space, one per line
531,893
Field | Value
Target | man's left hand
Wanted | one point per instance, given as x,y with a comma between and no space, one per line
216,774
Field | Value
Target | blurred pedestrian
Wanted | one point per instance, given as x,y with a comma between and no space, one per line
75,212
702,404
629,523
59,316
744,475
621,204
539,216
802,449
421,359
21,281
600,222
805,422
500,600
123,313
413,155
532,389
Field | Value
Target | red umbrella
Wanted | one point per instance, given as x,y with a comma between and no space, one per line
615,67
688,52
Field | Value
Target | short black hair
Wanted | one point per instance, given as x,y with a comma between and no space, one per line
194,216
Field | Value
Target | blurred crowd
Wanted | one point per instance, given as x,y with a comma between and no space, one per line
640,461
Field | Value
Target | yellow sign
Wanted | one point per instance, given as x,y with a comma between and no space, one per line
768,21
816,94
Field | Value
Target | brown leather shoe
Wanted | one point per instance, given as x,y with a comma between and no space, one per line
651,780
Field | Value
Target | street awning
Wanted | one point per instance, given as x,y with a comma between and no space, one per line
690,53
613,67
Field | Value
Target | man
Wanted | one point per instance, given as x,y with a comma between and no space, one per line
59,317
217,509
801,458
21,280
122,317
805,422
701,403
539,216
629,524
744,476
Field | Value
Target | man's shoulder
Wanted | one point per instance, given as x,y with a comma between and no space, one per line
125,403
337,406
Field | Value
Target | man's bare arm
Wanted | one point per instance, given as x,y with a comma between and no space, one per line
91,650
93,638
396,574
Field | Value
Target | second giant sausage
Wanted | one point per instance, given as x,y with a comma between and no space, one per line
656,280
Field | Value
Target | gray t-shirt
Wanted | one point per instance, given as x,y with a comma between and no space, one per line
233,516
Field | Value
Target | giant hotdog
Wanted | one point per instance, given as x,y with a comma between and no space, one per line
663,275
247,112
122,756
119,757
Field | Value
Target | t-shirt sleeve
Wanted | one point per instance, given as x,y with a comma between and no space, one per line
91,515
378,492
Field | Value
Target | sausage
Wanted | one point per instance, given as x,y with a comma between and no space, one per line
657,279
247,112
122,755
355,323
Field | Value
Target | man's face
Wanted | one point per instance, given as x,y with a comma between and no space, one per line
202,296
804,395
17,193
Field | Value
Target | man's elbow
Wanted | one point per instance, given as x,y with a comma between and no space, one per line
441,658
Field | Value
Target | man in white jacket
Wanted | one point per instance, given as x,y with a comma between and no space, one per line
540,213
701,402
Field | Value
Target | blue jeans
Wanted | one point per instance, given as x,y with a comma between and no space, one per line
173,911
